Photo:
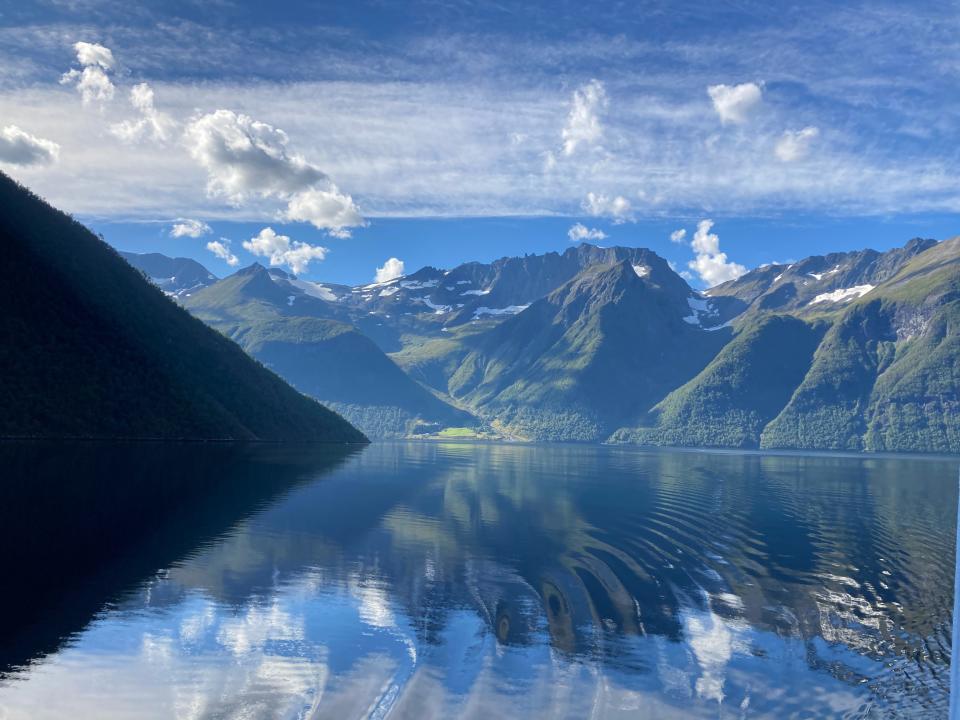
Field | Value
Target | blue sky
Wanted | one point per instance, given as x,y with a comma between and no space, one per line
441,132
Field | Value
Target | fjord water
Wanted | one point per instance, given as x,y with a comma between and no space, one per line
436,580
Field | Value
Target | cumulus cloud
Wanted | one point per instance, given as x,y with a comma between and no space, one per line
734,103
18,147
281,250
582,232
246,158
221,248
92,81
795,144
327,209
678,236
151,124
583,122
618,208
709,263
189,228
94,54
391,270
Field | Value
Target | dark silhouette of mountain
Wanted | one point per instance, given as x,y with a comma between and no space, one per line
104,516
90,349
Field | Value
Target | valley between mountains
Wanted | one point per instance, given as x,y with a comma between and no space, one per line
850,351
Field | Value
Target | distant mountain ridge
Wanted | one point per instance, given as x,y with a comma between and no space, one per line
296,329
852,350
92,350
175,276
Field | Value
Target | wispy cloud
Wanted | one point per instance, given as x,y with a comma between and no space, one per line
464,122
618,208
795,144
735,103
151,123
583,123
91,81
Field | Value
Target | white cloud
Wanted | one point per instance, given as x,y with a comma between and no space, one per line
327,209
221,249
583,122
94,54
18,147
391,269
152,123
429,149
189,228
734,103
618,208
582,232
246,158
92,82
678,236
549,161
710,264
281,250
795,144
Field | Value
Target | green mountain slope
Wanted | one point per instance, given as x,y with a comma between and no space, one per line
309,342
887,375
743,388
592,355
90,349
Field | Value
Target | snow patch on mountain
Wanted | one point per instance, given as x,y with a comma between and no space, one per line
476,292
437,309
313,289
417,285
387,292
820,276
509,310
700,306
843,294
641,270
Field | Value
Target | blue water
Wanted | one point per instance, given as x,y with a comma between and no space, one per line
418,580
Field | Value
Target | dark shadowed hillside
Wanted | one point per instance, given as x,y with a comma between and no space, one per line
90,349
291,327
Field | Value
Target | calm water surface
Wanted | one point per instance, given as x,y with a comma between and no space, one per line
418,580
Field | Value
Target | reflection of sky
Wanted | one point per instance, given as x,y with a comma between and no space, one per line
348,653
402,620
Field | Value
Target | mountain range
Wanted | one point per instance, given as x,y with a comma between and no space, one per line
853,350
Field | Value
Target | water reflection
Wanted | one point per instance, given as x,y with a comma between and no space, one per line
431,580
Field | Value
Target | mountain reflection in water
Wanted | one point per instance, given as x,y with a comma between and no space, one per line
434,580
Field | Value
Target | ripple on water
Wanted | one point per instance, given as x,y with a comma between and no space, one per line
433,580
